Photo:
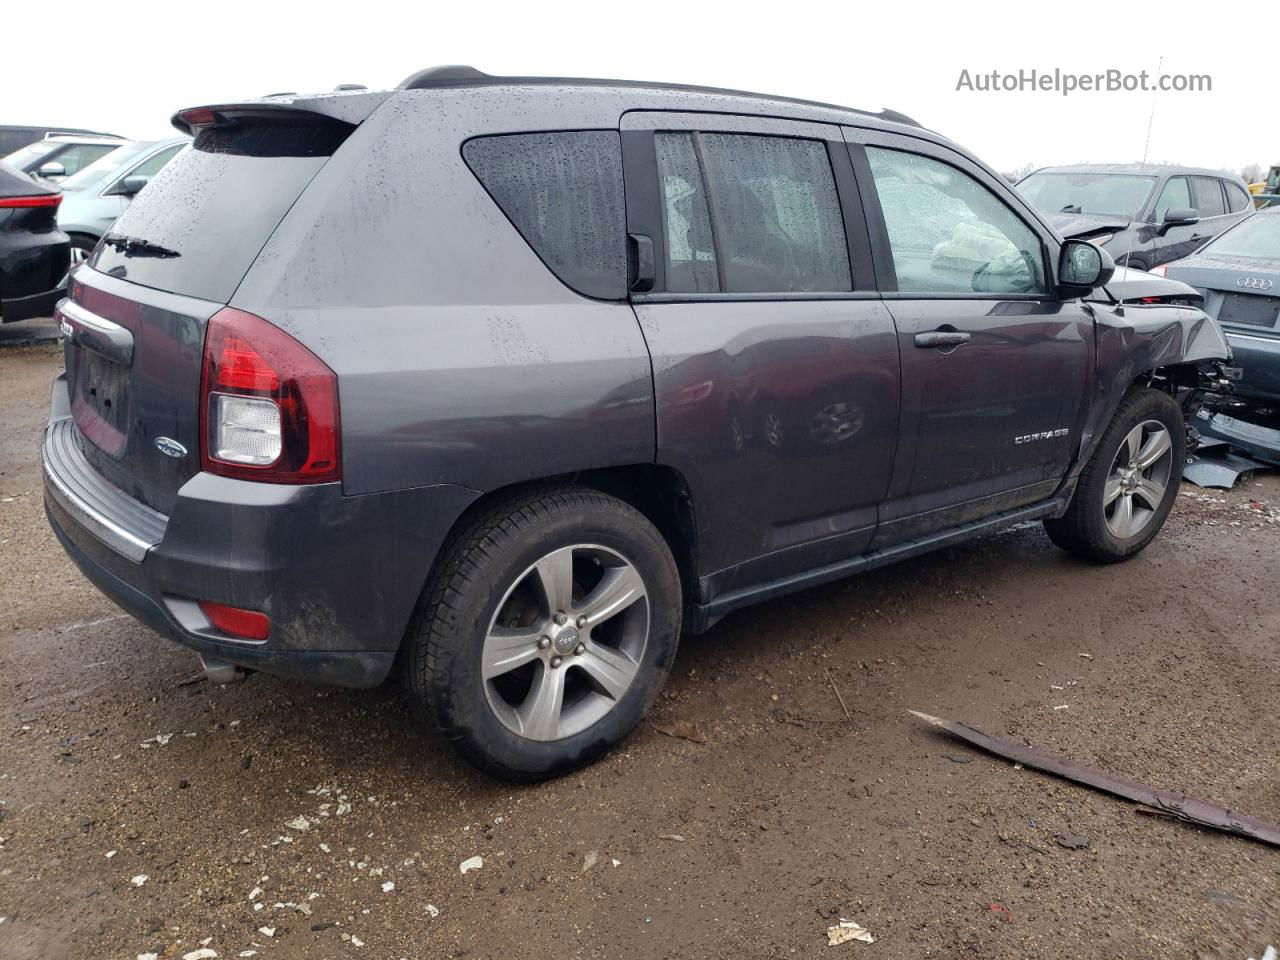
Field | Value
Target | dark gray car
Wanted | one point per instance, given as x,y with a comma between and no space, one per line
1239,276
1145,214
506,381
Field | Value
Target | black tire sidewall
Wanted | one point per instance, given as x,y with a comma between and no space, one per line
456,688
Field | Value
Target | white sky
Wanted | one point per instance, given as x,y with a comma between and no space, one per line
126,68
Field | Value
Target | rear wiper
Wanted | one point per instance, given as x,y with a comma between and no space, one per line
1070,208
135,247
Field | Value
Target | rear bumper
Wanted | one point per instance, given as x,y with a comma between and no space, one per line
36,305
337,576
1259,358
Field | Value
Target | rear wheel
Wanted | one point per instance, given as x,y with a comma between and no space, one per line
546,633
81,247
1129,485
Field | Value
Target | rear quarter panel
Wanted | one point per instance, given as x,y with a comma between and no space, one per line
461,358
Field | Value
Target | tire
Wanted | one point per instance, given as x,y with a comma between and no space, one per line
486,654
1116,509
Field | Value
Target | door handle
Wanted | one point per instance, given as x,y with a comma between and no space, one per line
942,338
643,270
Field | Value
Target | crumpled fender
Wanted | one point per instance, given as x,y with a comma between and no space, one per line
1132,340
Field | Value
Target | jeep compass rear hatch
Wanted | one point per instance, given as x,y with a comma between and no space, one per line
138,312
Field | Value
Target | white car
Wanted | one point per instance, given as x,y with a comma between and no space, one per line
94,197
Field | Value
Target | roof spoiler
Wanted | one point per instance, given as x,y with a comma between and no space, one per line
343,106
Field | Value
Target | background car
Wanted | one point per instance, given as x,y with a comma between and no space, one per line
61,155
14,136
33,253
1145,214
94,197
1239,276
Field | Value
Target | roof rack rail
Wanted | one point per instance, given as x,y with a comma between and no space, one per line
461,75
443,76
350,86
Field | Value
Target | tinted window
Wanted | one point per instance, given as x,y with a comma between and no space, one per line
775,214
1206,195
563,192
1257,236
691,256
1237,197
1176,193
1069,191
950,234
200,223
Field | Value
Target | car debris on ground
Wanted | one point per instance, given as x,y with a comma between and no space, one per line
1153,800
846,931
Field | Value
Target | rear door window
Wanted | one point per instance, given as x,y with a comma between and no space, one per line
202,220
1176,194
751,214
950,234
563,192
1206,195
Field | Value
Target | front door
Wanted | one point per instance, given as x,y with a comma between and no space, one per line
775,361
994,365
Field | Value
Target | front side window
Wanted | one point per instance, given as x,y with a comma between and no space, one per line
751,214
1206,194
1176,194
563,192
78,156
949,234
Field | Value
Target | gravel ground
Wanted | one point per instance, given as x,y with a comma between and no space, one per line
143,814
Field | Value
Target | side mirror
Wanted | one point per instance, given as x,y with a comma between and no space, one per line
1179,217
1083,267
52,170
129,186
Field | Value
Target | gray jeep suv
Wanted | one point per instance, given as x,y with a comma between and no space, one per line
504,382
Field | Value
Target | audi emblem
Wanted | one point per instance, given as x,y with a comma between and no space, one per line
1254,283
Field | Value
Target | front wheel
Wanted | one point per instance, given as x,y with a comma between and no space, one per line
1130,483
546,633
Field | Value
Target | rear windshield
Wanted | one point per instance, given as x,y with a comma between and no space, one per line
1257,237
202,221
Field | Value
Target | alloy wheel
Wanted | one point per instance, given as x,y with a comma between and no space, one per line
1138,479
566,642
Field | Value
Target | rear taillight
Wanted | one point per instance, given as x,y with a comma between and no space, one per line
268,405
35,200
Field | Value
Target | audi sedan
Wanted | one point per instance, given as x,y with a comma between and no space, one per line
1239,277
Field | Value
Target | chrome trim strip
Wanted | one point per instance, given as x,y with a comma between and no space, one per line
122,541
88,318
1231,335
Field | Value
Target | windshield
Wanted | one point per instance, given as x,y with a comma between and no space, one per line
1104,194
33,151
201,221
1257,237
99,170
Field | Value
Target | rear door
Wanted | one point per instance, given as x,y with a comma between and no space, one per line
1178,242
775,362
994,365
137,311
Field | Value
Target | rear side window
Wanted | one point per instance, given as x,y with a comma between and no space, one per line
155,163
751,214
1206,196
1237,198
563,192
202,220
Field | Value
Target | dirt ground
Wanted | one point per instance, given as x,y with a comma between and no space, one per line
139,815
